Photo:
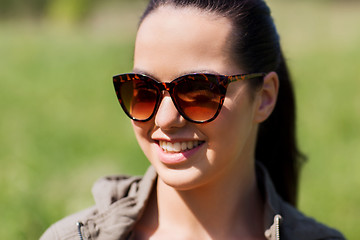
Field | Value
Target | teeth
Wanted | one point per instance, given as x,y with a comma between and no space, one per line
184,146
178,146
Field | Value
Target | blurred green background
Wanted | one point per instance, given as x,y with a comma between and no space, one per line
61,127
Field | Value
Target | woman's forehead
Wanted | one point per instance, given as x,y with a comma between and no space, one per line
184,23
182,38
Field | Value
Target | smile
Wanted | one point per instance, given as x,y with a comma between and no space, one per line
178,147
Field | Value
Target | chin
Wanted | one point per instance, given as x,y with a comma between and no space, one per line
183,179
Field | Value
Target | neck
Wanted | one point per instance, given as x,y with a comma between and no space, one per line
223,209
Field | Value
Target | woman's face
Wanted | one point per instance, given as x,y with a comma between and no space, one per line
176,41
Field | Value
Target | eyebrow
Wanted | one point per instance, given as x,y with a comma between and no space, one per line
139,71
202,71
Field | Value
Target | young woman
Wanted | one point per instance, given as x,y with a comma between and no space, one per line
213,110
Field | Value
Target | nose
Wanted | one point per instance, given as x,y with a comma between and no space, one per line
167,116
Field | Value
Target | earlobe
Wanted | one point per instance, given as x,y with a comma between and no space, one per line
266,97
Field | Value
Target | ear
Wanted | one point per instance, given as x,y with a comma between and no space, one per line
266,97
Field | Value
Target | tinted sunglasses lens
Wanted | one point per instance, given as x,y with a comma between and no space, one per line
197,97
139,98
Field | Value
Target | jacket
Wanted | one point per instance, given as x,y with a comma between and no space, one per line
121,200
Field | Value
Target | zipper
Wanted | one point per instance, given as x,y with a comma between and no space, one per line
277,226
273,233
79,226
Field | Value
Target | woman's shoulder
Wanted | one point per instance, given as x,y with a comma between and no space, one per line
295,223
118,202
67,228
285,220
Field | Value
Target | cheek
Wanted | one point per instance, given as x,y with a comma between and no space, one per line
233,128
138,129
141,131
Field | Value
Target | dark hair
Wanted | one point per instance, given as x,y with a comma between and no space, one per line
256,47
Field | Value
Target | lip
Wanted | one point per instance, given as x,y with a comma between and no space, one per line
171,158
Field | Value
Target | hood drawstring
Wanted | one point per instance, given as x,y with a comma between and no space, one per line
79,225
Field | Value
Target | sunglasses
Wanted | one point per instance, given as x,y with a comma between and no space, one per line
197,97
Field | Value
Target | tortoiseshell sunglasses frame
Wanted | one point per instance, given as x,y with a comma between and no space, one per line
221,81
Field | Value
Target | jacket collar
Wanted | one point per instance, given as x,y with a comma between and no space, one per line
121,201
272,218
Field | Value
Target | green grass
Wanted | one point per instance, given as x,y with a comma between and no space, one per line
329,133
321,43
61,127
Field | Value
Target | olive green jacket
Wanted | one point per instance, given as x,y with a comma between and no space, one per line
120,201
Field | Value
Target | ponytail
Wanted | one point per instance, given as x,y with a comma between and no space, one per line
276,143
